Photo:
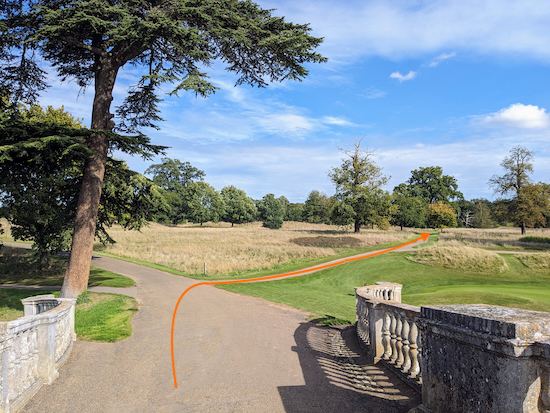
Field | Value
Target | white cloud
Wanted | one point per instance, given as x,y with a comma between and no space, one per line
289,125
400,28
520,116
441,58
373,93
329,120
402,78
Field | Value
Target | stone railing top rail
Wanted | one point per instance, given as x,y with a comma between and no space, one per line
26,322
386,291
504,322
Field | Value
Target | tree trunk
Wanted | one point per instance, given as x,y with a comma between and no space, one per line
44,260
523,228
78,268
401,227
357,226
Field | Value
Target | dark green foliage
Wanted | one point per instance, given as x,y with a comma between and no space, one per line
172,174
202,203
540,240
174,40
430,184
271,212
358,185
342,214
411,210
238,207
294,212
41,160
483,217
318,208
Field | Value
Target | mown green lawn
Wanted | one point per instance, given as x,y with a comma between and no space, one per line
329,293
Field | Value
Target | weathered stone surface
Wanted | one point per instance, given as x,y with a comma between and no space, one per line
33,347
482,358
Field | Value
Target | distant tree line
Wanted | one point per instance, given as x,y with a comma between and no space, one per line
39,181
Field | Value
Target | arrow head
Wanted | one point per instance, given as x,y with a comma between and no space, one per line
425,236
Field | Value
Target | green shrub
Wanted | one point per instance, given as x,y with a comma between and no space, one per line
538,240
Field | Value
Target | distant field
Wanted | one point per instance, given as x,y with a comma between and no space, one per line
505,238
243,248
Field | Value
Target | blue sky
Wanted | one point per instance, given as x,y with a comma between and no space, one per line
454,84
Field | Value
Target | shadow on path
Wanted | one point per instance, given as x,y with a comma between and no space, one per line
339,378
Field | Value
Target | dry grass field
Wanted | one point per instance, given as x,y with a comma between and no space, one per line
227,250
5,226
460,257
504,238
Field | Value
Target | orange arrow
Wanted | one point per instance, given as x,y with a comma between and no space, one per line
423,236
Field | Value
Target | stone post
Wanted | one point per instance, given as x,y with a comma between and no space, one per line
481,358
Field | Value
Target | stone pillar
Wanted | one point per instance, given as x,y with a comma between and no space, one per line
35,305
481,358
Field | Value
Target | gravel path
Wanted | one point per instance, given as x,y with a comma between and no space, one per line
233,354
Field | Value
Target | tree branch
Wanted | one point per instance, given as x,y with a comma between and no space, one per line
93,49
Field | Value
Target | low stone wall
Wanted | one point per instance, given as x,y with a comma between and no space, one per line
388,330
33,347
463,358
484,358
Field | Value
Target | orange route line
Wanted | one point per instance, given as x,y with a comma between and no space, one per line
423,236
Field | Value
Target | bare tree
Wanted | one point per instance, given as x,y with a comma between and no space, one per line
516,180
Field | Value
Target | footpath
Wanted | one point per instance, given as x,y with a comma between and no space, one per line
233,353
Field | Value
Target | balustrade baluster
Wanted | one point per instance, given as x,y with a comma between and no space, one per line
399,343
386,336
413,336
406,349
393,339
419,342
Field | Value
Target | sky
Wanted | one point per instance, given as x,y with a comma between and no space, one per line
450,83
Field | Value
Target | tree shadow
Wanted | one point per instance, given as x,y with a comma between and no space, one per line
338,377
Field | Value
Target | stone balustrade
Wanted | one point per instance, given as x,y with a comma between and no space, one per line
33,347
388,330
463,358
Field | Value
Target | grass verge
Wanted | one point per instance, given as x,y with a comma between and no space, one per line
17,266
105,317
330,293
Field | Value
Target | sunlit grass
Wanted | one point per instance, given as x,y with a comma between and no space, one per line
330,293
105,317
